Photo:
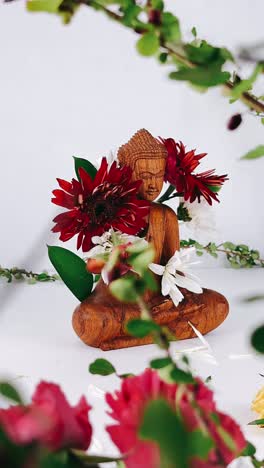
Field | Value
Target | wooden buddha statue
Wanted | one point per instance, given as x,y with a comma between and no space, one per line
100,321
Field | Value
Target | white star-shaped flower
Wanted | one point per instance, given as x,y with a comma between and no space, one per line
175,274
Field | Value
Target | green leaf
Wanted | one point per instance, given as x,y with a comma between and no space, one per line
202,76
249,450
157,4
257,339
199,253
161,425
256,153
72,270
170,27
148,44
262,120
141,328
9,391
160,363
126,376
203,54
102,367
246,85
124,290
200,444
226,54
194,31
49,6
255,298
130,15
229,245
141,261
214,188
149,281
257,422
60,459
86,165
163,57
180,376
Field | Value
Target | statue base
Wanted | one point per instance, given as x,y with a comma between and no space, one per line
100,321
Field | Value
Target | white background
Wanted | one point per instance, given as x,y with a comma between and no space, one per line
82,90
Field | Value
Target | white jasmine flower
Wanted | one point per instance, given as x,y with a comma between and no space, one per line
202,224
104,244
175,274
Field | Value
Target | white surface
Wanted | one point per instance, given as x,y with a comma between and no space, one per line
83,90
37,342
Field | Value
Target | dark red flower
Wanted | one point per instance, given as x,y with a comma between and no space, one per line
198,410
110,200
205,184
48,420
179,172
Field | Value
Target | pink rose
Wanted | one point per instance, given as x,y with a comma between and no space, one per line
49,420
197,407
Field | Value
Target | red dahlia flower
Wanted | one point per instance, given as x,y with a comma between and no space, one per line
179,172
48,420
110,200
197,407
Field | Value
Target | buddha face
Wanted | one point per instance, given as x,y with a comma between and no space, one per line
151,172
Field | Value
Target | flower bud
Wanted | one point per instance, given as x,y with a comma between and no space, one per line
95,265
154,17
234,121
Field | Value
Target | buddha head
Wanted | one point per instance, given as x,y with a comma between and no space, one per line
147,158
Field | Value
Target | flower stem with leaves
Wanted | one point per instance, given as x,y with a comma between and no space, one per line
196,62
19,274
239,256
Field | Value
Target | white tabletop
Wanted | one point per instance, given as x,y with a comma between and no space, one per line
37,342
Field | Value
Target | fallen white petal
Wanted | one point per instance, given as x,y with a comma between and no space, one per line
200,336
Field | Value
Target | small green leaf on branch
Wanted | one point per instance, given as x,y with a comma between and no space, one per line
257,422
160,363
9,391
257,339
141,328
180,376
101,367
48,6
148,44
256,153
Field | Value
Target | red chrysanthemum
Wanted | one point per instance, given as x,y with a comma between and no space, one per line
197,407
110,200
179,172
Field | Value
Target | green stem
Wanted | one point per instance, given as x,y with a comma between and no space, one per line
238,255
19,274
167,194
159,336
251,101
